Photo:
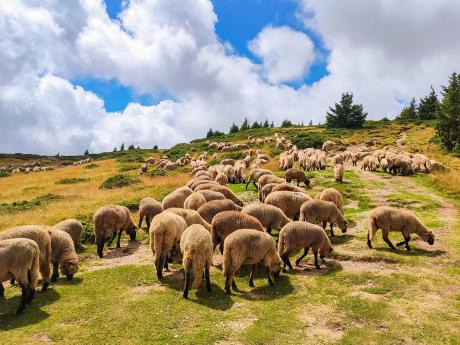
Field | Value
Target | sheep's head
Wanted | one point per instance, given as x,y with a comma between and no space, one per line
131,231
326,251
428,236
342,224
69,269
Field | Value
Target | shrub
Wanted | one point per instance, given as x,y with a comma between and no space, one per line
22,205
130,156
127,167
5,173
234,155
87,235
157,172
91,166
132,205
71,180
118,181
305,140
214,162
275,152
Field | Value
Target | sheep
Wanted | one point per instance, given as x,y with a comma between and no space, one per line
211,208
165,233
254,176
287,187
74,228
190,216
400,165
230,172
294,174
296,235
228,161
198,179
40,235
240,171
109,219
395,219
19,260
323,211
203,173
149,208
265,190
288,202
63,254
221,179
224,223
384,164
334,196
271,217
338,172
370,162
249,247
265,179
176,198
199,182
194,201
196,248
337,159
222,189
211,195
143,169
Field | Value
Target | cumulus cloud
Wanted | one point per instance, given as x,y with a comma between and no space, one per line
286,54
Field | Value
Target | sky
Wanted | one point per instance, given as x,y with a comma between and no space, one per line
91,74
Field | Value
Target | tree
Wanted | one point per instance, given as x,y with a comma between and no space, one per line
245,125
122,147
286,123
234,128
410,112
115,149
310,123
272,124
155,147
131,147
256,125
346,114
86,153
428,106
210,133
266,124
448,115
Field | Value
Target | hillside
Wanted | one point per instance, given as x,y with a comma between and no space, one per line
359,295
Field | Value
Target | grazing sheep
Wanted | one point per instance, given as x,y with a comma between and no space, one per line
337,159
198,179
287,187
240,170
149,208
224,223
249,247
294,174
400,165
211,208
40,235
176,198
394,219
143,169
230,172
228,161
254,176
222,189
211,195
332,195
288,202
296,235
265,179
107,221
19,260
63,254
323,211
221,179
194,201
271,217
74,228
203,173
165,233
199,182
384,164
265,190
196,248
370,162
338,172
190,216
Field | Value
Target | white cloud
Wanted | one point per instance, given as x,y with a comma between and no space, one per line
286,54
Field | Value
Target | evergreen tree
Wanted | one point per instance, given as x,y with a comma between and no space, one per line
310,123
245,125
115,149
122,147
272,124
234,128
131,147
256,125
448,116
266,124
410,112
138,147
155,147
210,133
428,106
86,153
346,114
286,123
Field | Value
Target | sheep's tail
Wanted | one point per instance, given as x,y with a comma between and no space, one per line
33,273
373,229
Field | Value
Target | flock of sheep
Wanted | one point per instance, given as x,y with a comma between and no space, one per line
193,220
29,167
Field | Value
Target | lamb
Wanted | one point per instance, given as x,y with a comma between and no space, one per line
211,208
395,219
74,228
196,248
149,208
334,196
165,233
211,195
19,260
225,223
222,189
176,198
194,201
63,254
288,202
271,217
40,235
294,174
249,247
323,211
190,216
221,179
296,235
338,172
254,176
109,219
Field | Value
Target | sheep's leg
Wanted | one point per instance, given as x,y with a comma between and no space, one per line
234,287
119,239
332,230
286,262
387,240
24,299
221,248
251,276
269,230
324,225
255,185
109,243
147,219
186,285
247,184
160,265
55,275
230,281
207,278
406,242
166,265
270,281
2,290
100,248
315,254
141,218
305,252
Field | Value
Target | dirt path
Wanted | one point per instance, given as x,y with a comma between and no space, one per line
401,142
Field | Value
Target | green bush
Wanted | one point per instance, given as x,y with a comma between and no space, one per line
275,152
91,166
305,140
234,155
5,173
71,180
157,172
130,156
87,235
177,151
132,205
118,181
127,167
22,205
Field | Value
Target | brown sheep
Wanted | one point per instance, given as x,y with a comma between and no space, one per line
190,216
73,227
176,198
271,217
194,201
211,208
149,208
211,195
323,211
222,189
338,172
295,174
254,176
63,254
288,202
332,195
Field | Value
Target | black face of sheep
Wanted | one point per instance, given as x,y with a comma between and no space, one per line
240,203
431,240
132,233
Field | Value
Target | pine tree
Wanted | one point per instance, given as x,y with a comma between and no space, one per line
428,106
310,123
286,123
155,147
346,114
245,125
131,147
266,124
272,125
234,128
122,147
210,133
86,153
115,149
410,112
448,116
256,125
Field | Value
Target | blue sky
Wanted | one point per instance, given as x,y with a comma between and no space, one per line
239,21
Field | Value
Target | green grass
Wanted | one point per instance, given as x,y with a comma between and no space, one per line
118,181
23,205
127,167
91,166
71,180
5,173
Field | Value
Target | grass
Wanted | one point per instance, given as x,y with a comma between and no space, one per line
71,180
118,181
127,167
5,173
23,205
